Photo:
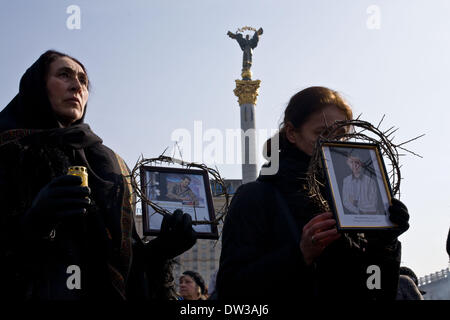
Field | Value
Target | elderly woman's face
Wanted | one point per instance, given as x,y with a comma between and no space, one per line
67,89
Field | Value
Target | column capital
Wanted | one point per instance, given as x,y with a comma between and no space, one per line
247,91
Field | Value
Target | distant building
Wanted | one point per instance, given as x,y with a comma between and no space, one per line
436,285
205,255
230,184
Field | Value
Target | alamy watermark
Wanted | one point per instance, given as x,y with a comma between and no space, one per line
74,278
214,146
373,21
374,280
74,20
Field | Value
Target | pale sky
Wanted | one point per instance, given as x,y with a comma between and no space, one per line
159,66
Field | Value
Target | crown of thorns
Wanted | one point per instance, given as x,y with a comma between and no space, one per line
162,159
358,131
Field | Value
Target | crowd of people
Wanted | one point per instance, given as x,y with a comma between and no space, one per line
275,239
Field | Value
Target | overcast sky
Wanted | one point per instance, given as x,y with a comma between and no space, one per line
159,66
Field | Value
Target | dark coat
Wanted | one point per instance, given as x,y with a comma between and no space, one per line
113,260
261,258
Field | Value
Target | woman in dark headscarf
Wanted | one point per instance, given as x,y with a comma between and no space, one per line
60,240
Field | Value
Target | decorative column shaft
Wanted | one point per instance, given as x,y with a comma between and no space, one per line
247,92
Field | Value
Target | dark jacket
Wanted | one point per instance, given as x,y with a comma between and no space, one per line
261,258
114,262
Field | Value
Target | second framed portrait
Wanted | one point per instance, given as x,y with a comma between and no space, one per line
175,188
359,189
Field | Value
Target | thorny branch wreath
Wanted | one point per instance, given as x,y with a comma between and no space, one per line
142,197
358,131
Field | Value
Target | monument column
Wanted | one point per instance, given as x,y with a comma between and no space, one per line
247,91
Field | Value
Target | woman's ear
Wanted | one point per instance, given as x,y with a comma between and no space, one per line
290,133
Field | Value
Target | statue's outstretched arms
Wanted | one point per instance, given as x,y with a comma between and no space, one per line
231,35
254,40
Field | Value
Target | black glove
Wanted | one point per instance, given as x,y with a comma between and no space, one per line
398,214
61,199
176,236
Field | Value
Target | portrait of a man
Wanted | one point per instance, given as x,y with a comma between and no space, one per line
359,190
358,187
181,192
177,189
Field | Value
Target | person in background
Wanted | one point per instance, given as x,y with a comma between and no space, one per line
408,285
192,286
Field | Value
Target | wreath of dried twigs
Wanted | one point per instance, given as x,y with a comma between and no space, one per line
214,173
358,131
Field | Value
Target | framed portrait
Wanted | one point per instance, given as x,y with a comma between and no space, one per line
176,188
359,192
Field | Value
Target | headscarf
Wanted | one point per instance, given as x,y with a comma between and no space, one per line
30,119
31,108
